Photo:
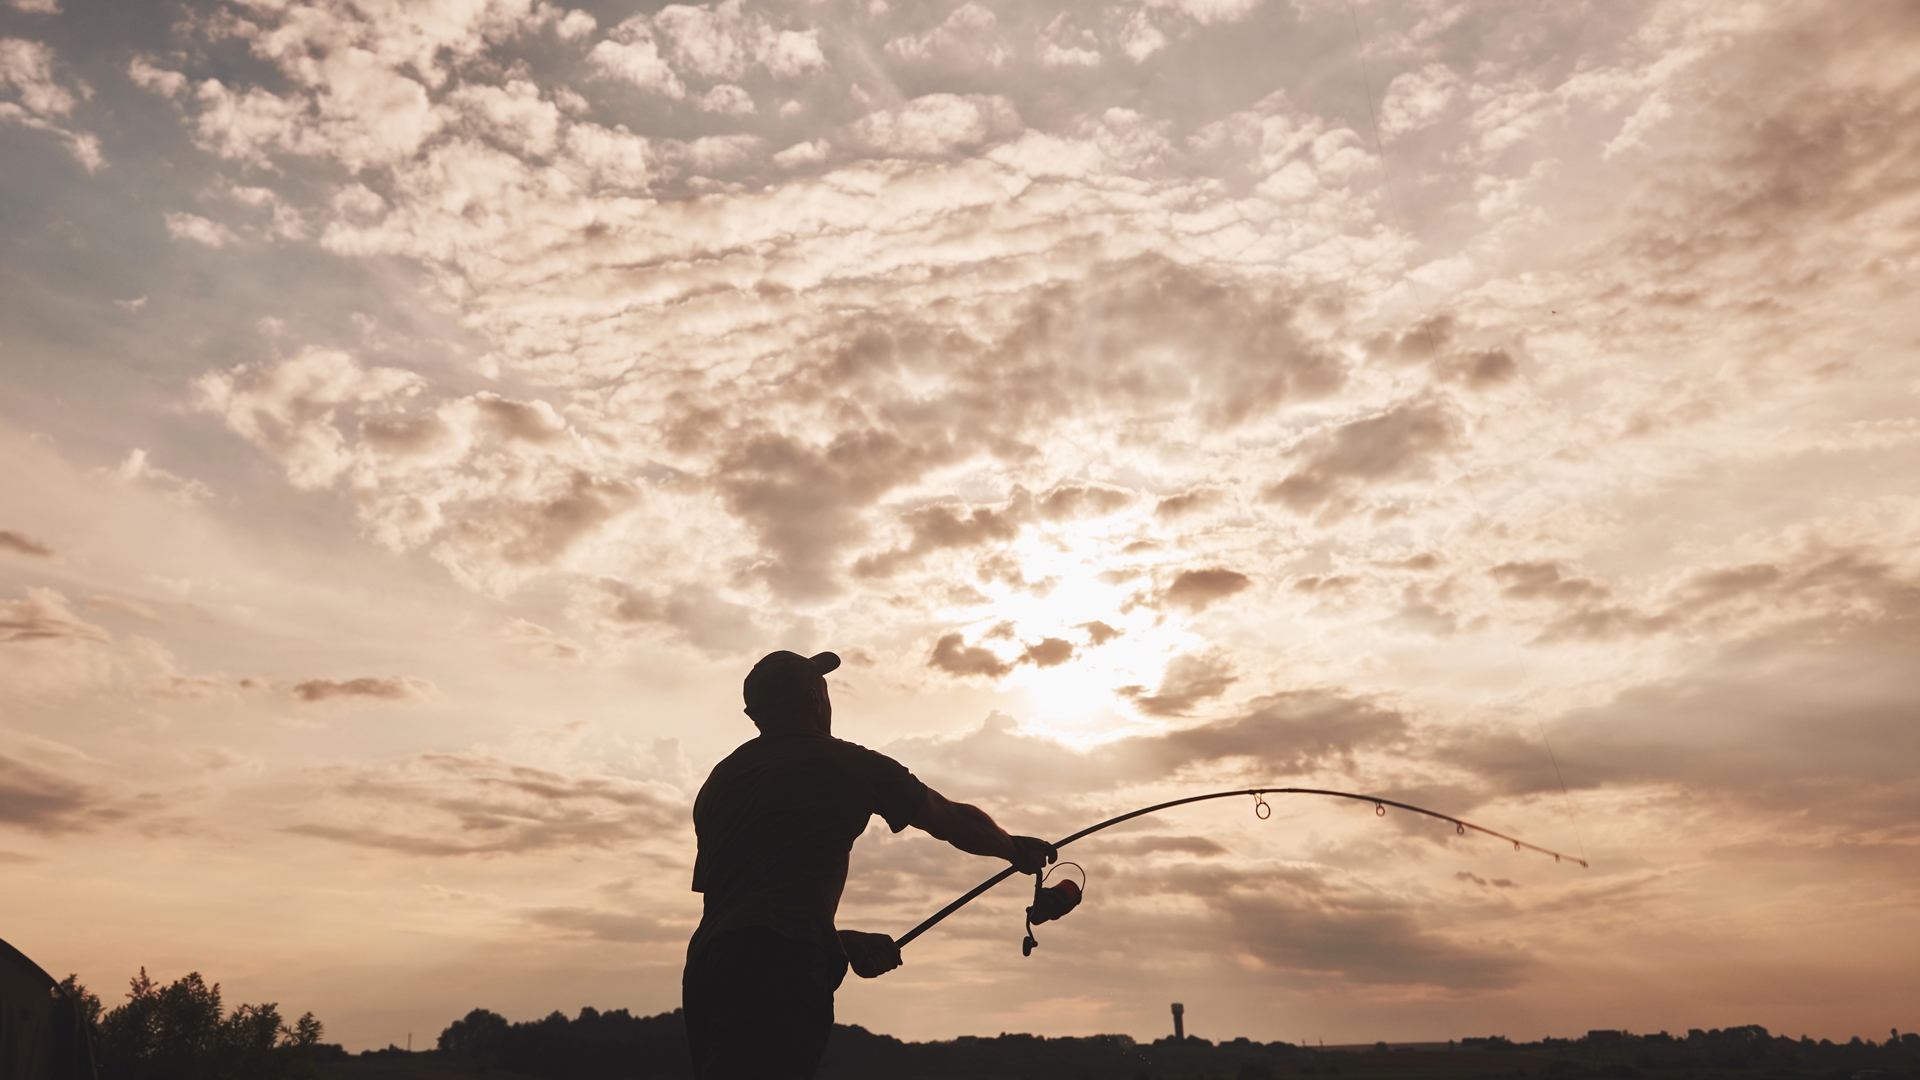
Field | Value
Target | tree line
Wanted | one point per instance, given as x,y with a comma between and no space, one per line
619,1046
182,1031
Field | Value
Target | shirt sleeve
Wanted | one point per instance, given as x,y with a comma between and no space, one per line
897,794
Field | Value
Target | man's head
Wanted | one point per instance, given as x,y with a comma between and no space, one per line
785,691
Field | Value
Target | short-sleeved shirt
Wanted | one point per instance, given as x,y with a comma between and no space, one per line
776,822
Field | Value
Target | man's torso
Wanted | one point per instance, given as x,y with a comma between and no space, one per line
776,821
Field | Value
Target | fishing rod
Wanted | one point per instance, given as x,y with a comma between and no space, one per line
1052,902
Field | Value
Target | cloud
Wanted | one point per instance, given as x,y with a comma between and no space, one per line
1417,99
936,125
27,67
543,642
1103,343
389,688
941,526
20,543
27,71
632,54
183,226
515,114
1360,939
1069,502
161,675
1065,46
722,41
952,655
801,498
1496,883
1198,846
696,613
1818,580
498,549
288,408
803,153
501,488
159,80
138,468
608,925
1543,581
1394,444
120,605
479,804
1197,590
1188,681
727,100
608,158
969,39
1801,718
45,616
356,83
1270,738
945,526
41,801
1186,502
1048,652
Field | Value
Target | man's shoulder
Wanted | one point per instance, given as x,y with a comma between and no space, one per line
806,750
795,745
863,753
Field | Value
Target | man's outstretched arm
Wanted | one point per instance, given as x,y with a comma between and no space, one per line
974,831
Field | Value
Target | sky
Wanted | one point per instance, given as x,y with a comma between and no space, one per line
419,415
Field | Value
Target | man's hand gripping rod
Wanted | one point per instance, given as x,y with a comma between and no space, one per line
1260,808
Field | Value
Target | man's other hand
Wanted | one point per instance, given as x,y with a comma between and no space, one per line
1032,854
869,955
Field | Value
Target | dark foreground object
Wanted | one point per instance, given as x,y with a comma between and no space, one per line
43,1029
759,1006
617,1046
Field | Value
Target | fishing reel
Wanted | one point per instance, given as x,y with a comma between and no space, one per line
1052,902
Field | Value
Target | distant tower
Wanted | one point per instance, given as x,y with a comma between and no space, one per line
1179,1021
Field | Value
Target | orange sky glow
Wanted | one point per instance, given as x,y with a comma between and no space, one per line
418,415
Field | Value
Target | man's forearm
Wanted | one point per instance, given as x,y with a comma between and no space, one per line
966,827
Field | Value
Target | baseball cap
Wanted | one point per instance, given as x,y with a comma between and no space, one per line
780,676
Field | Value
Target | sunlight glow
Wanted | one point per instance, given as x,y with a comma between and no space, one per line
1079,700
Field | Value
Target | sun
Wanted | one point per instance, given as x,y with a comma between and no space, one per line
1076,636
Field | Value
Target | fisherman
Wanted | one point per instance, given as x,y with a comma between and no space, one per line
775,822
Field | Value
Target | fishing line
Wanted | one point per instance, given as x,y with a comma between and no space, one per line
1564,794
1380,805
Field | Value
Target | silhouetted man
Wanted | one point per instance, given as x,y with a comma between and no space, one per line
775,822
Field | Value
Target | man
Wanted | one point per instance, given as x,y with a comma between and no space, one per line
775,822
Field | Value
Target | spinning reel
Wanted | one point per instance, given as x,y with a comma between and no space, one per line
1052,902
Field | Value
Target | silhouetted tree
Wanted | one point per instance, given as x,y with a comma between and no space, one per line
85,1000
182,1032
478,1034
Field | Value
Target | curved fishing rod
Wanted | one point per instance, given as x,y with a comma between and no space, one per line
1261,809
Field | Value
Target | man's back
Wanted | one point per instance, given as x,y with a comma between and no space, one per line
775,823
